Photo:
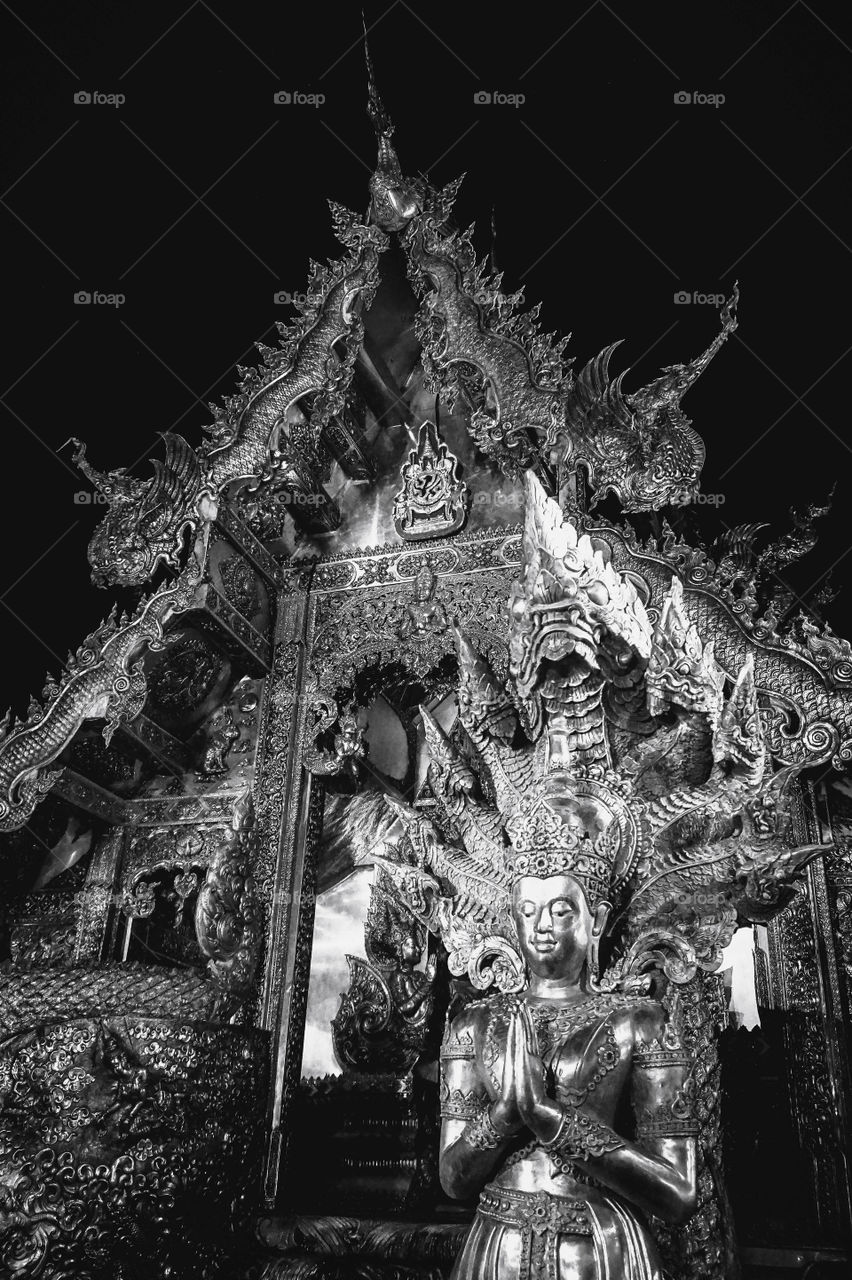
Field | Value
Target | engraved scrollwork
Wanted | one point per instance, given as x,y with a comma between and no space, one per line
99,1124
227,919
239,582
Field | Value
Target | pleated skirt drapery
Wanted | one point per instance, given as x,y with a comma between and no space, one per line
619,1248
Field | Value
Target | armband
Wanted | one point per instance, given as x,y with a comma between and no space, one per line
579,1137
674,1119
460,1046
460,1104
667,1050
482,1133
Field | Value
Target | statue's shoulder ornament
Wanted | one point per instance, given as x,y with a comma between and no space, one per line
462,1031
659,1039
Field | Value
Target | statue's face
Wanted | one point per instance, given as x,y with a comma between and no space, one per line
554,925
410,952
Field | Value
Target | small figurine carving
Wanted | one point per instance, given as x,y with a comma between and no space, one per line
424,615
227,919
222,735
382,1022
412,988
432,502
348,748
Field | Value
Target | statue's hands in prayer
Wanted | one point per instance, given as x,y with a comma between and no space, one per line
506,1112
539,1112
529,1068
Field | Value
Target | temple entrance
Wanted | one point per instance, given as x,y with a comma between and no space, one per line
379,987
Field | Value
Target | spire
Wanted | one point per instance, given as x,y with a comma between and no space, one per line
394,199
676,379
379,117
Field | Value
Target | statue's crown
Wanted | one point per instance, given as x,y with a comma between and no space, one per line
552,835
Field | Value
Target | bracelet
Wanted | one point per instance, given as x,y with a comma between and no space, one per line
482,1133
559,1136
579,1137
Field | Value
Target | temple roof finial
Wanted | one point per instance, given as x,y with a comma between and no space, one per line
394,199
379,118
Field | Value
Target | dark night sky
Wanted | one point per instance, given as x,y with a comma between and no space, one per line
199,197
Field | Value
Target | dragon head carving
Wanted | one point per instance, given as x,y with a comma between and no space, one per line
571,605
738,744
682,670
146,520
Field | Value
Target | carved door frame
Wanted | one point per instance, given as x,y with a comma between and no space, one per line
473,575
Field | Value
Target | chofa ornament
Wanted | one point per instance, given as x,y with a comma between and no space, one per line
252,438
525,401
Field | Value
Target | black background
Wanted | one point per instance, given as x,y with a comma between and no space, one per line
199,198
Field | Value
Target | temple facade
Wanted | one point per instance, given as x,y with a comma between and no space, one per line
422,620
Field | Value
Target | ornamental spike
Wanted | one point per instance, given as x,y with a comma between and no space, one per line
676,379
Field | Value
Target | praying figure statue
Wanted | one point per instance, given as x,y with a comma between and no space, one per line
621,796
533,1094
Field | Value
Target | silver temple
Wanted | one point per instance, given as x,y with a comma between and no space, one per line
531,707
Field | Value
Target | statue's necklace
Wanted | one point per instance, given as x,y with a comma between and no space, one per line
554,1021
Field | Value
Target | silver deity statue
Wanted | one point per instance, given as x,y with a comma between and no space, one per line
533,1085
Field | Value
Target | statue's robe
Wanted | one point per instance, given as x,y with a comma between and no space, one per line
541,1216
